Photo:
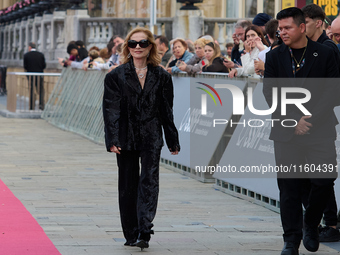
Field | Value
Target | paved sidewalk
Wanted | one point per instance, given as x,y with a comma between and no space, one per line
69,184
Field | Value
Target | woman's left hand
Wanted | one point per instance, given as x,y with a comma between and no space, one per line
169,70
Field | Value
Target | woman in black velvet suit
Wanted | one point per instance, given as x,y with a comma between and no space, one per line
137,103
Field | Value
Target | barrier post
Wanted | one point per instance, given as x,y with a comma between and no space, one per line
12,94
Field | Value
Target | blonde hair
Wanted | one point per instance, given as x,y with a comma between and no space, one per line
217,51
93,54
153,59
202,42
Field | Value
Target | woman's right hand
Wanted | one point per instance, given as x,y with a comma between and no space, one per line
115,149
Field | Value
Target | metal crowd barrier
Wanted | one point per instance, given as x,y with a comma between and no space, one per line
28,92
76,103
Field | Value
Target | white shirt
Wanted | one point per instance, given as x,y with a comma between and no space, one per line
248,67
262,54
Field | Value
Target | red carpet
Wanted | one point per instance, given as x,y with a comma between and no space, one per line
20,233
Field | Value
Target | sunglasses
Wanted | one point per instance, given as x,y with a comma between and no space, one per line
143,43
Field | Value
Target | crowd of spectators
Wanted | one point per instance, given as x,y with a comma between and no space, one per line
245,56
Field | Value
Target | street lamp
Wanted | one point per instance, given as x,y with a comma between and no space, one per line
189,4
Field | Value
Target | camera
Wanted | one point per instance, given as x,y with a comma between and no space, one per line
277,34
179,63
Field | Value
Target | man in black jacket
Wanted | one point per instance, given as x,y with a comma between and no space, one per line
34,62
310,142
315,17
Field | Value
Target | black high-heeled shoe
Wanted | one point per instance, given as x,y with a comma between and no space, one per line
142,244
143,240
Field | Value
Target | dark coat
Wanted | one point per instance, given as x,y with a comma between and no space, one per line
133,116
82,54
166,57
320,63
34,61
236,55
324,39
216,66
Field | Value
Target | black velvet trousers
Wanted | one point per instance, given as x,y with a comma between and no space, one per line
138,192
292,189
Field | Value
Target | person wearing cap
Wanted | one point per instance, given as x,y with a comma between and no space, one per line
260,20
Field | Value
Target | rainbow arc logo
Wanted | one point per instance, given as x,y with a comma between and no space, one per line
209,93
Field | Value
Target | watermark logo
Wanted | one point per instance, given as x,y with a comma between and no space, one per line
239,100
204,97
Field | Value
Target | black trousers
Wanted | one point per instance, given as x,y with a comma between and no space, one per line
138,192
292,189
330,214
38,82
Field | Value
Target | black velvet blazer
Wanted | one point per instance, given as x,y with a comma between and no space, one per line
134,116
